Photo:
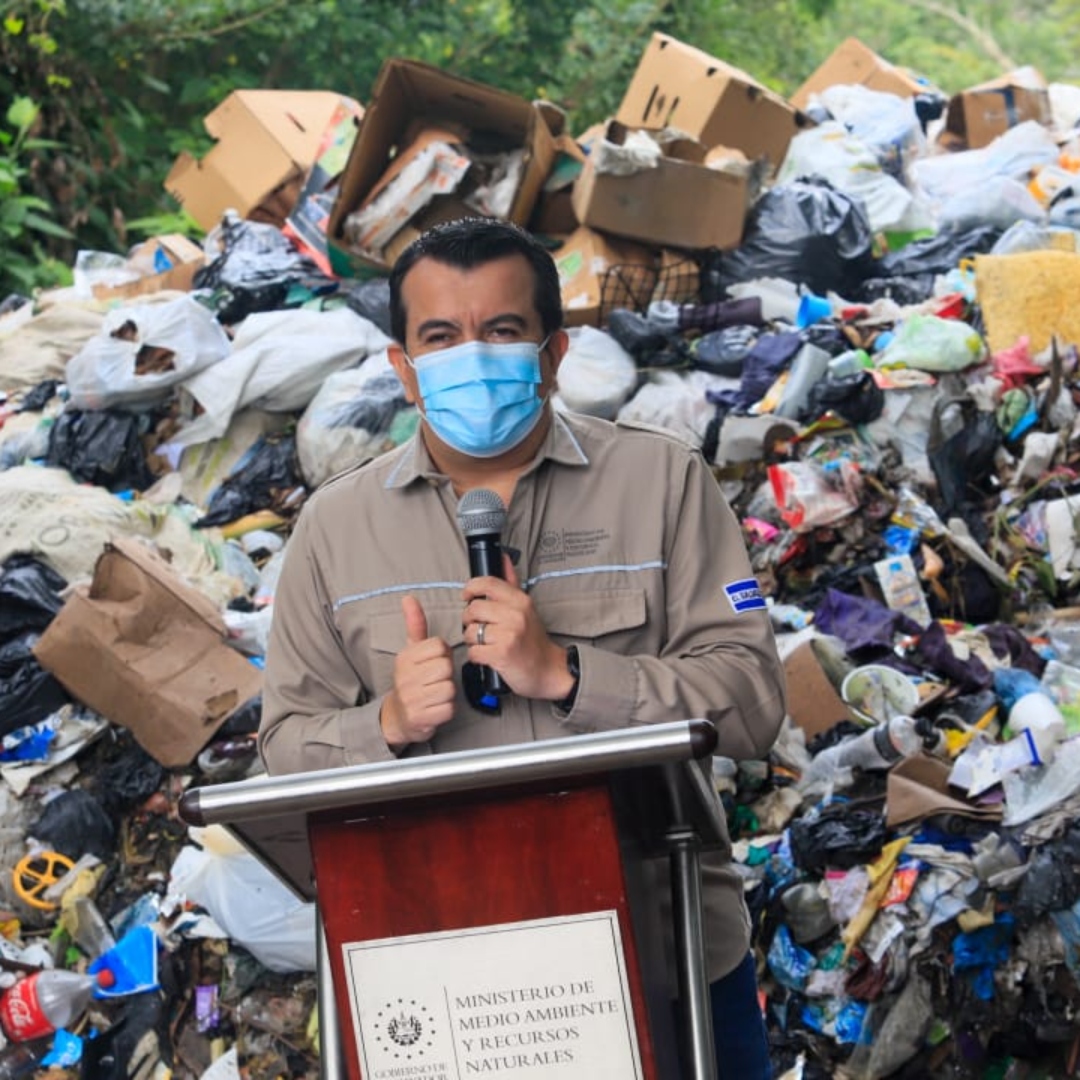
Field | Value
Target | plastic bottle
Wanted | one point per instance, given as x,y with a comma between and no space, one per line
19,1061
880,747
850,363
47,1000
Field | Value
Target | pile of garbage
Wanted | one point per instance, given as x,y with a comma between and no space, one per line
858,305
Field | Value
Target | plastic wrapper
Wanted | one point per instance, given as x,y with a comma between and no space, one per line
597,375
808,496
249,254
804,231
789,963
356,415
142,352
371,300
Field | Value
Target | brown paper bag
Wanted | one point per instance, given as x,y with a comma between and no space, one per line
148,652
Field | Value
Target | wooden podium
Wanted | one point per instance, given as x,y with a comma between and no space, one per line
494,912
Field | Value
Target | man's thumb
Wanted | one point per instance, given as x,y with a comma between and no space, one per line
415,620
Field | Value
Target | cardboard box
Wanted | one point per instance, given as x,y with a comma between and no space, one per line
976,117
813,702
148,652
588,291
678,203
408,94
554,213
176,260
852,63
307,221
267,141
678,86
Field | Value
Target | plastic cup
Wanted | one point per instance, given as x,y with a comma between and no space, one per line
812,309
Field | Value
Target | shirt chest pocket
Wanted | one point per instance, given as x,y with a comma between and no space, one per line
386,635
613,619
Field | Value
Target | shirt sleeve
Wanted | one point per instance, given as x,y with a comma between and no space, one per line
308,675
718,659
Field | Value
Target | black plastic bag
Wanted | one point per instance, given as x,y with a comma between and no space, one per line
806,232
74,824
907,276
843,839
264,478
371,301
100,448
649,344
127,780
961,447
29,595
28,693
255,271
854,398
35,400
723,351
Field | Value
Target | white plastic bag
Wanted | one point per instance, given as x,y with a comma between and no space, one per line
358,414
597,375
887,123
279,361
677,402
831,151
247,901
161,345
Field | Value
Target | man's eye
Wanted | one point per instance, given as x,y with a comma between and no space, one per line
504,333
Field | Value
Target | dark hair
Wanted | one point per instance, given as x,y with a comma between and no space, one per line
470,242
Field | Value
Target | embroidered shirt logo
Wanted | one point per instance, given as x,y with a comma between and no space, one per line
745,595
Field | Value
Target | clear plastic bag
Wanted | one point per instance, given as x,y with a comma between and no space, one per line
597,375
247,901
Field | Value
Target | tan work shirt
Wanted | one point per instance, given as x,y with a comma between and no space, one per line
627,549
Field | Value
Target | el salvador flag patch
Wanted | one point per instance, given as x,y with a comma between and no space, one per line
745,595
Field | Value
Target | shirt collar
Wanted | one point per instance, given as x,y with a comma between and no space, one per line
561,445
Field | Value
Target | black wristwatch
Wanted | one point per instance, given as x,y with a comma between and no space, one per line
573,665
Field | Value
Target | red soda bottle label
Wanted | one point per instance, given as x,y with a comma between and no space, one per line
20,1012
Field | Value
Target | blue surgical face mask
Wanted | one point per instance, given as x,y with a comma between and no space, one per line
481,398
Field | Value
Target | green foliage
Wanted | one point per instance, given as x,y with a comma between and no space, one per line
24,217
122,86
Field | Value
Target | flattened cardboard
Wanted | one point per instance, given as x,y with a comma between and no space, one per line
852,63
978,115
148,652
183,256
266,141
407,92
679,203
813,702
678,86
583,262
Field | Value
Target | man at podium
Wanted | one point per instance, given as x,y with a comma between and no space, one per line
625,598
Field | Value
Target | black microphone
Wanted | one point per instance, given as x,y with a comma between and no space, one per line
482,517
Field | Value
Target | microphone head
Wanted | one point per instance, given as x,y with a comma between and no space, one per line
481,512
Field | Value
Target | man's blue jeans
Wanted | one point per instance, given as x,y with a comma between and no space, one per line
742,1048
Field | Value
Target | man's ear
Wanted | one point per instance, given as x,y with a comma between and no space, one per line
556,348
404,371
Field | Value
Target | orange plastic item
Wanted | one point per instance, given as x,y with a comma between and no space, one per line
33,874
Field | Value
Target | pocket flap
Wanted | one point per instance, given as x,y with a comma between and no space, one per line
594,614
387,629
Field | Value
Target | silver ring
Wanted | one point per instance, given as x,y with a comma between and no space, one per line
480,628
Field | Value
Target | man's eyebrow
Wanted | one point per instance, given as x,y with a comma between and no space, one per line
507,317
436,324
